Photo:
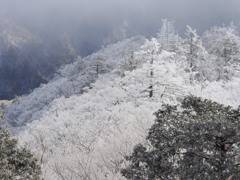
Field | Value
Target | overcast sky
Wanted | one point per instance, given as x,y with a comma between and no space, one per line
143,16
195,12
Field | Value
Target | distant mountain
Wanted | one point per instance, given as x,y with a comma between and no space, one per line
26,61
14,35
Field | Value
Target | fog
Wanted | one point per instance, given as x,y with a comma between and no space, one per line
65,29
90,21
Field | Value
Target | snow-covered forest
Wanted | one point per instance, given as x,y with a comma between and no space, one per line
83,123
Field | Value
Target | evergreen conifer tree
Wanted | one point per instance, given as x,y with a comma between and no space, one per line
15,163
197,140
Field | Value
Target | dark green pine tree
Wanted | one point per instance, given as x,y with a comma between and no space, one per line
197,140
15,163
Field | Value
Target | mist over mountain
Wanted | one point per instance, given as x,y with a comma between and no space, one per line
55,32
98,18
26,60
89,23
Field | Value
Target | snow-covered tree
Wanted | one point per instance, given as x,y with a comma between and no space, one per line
1,113
224,43
198,140
99,64
194,47
130,63
197,56
168,37
152,52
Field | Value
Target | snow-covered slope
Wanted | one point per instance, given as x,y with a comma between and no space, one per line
71,80
83,123
87,136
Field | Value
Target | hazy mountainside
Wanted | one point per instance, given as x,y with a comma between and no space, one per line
92,132
28,58
82,123
26,61
70,80
13,35
16,74
87,136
